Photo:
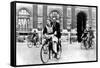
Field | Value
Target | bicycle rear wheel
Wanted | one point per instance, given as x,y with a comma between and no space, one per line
37,45
84,45
92,44
87,45
30,44
44,53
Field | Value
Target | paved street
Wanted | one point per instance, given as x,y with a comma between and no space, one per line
70,53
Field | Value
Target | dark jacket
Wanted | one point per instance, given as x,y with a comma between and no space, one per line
46,32
57,29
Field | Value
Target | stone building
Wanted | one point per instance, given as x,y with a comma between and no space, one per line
29,16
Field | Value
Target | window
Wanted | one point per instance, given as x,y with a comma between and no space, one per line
55,14
23,21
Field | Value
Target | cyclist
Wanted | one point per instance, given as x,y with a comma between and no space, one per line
34,37
48,30
85,35
91,36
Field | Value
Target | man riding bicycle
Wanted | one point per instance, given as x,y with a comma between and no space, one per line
57,31
34,37
85,36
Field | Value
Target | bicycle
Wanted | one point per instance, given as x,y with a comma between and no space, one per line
47,51
87,43
84,43
91,43
32,41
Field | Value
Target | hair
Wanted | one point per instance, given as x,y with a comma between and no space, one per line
50,21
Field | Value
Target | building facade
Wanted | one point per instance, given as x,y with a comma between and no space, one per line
33,16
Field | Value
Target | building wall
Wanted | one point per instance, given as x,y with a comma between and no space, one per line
39,14
29,8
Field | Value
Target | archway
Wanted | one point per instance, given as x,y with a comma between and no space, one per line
81,24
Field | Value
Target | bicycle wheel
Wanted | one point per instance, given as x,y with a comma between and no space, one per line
59,52
44,53
29,44
83,44
87,45
92,44
37,45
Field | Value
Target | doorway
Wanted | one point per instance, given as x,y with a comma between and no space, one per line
81,24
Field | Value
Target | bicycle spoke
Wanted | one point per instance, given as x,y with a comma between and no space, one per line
44,54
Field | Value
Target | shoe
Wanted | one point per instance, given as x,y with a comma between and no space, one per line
55,56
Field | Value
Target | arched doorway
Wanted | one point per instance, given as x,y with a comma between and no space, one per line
81,24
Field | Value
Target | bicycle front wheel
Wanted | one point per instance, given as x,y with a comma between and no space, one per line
44,53
37,45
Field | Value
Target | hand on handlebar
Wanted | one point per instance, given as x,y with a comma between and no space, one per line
48,36
55,33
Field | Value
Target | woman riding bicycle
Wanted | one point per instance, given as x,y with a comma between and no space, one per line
49,33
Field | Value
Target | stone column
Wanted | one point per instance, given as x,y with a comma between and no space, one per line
44,15
64,17
73,23
90,16
35,15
